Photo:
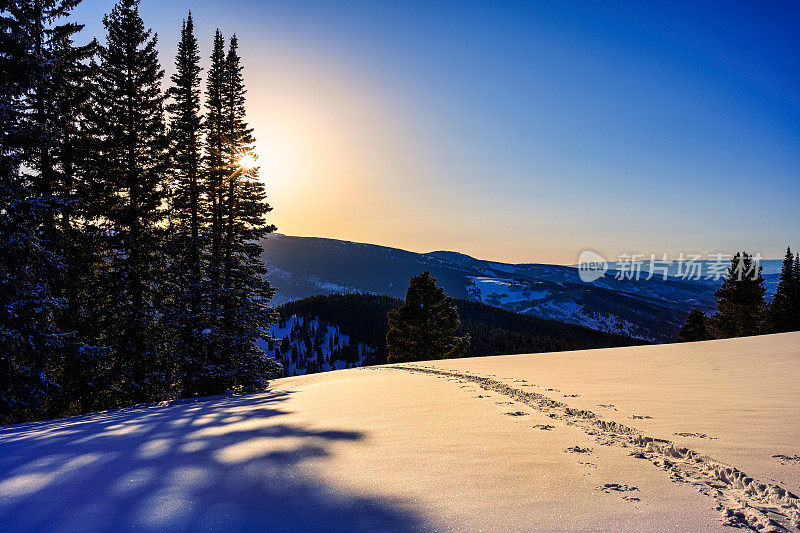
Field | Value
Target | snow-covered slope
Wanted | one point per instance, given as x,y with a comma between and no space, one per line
649,309
687,437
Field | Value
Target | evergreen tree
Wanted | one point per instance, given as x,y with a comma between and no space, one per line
215,169
57,101
187,242
42,71
782,310
694,329
425,326
122,251
68,93
239,144
50,56
796,276
27,335
740,300
238,291
127,194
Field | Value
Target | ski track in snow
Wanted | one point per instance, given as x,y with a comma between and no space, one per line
743,502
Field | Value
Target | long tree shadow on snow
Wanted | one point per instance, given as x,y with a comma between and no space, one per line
221,463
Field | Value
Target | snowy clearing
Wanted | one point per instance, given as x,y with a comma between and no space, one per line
685,437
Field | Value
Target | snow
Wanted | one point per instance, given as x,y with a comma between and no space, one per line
531,298
573,312
541,442
497,291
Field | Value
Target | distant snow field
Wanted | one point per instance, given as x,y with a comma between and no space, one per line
682,437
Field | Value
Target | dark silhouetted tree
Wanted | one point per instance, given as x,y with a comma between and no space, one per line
27,335
425,326
239,293
42,73
215,160
129,187
796,272
740,300
189,312
695,328
783,312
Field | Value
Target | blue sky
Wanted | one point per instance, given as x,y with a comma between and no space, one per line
521,131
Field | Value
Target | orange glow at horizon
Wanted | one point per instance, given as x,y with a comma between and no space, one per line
343,158
333,149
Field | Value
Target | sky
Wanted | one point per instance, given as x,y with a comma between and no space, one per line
517,131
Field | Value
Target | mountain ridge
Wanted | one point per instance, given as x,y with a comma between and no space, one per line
651,310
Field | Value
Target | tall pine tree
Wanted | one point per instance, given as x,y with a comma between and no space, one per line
238,293
188,313
215,168
239,144
128,192
58,98
246,315
27,335
207,364
43,71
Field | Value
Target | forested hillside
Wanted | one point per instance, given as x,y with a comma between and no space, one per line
351,329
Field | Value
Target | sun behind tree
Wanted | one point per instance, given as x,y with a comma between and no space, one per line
425,326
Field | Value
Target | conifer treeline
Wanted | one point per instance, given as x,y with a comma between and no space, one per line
492,331
130,267
741,307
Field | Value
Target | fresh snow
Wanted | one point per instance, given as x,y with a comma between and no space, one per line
682,437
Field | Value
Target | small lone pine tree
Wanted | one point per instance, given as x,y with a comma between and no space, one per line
783,311
425,326
694,329
796,273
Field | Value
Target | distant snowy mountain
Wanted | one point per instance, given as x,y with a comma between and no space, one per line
648,309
